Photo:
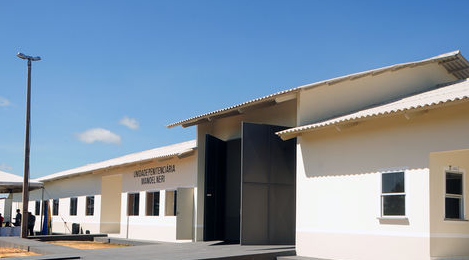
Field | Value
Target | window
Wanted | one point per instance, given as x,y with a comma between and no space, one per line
55,207
89,205
171,197
73,206
454,198
37,208
133,202
393,194
153,203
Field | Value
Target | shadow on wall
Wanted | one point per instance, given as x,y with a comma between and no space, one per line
384,144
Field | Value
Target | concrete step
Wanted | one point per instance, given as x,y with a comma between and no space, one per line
298,258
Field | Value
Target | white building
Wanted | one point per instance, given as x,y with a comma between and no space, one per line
370,165
379,161
136,196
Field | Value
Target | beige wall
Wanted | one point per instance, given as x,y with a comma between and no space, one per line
328,101
111,189
448,237
230,128
338,185
183,176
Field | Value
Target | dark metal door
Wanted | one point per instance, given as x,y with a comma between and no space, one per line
268,186
215,174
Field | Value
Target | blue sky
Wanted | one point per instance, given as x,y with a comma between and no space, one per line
152,63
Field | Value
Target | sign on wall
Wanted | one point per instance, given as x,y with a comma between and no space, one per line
155,174
161,175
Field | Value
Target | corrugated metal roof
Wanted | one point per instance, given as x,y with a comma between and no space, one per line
456,91
454,63
161,152
233,110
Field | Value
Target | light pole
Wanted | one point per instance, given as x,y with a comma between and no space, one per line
24,218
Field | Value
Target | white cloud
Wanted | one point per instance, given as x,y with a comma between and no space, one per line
131,123
4,102
99,135
4,167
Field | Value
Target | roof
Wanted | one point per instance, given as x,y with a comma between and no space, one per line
453,62
11,183
180,149
441,95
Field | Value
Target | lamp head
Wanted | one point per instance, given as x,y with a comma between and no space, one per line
26,57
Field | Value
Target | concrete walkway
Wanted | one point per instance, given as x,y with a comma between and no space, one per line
163,251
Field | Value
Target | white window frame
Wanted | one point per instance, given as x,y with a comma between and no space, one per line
381,195
455,170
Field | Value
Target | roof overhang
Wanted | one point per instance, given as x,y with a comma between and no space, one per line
254,104
453,62
455,93
187,149
11,183
14,187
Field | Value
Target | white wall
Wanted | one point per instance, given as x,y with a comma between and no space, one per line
338,185
64,189
160,228
3,208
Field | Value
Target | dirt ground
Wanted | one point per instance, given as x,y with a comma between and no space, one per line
86,244
13,252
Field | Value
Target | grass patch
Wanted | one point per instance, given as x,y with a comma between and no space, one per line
86,244
14,252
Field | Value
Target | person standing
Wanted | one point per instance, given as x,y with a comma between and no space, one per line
18,218
31,222
1,220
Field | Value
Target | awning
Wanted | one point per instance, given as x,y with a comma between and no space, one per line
10,183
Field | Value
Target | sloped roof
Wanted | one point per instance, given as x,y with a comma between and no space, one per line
445,94
179,149
14,183
453,62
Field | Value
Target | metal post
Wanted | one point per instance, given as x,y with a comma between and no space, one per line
42,211
10,196
24,219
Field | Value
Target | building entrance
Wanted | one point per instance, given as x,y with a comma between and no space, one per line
250,187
